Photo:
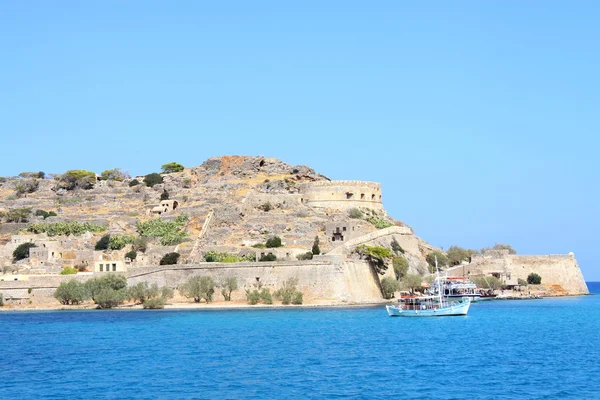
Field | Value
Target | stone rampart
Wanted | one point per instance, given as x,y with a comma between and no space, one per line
341,195
382,237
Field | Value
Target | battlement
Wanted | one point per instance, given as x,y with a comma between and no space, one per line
342,195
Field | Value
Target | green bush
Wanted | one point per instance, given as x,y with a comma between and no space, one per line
522,282
140,244
273,242
259,246
76,179
113,282
355,213
66,228
305,256
132,255
38,175
268,257
400,265
68,271
164,195
45,214
169,232
377,256
1,300
265,296
156,303
442,260
118,242
110,298
18,215
396,248
228,285
534,279
215,256
198,288
389,286
170,259
487,282
266,207
316,250
71,292
25,186
297,298
253,296
103,243
288,292
22,251
172,167
411,282
456,255
380,223
115,174
153,179
134,182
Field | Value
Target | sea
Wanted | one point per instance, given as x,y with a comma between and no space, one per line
534,349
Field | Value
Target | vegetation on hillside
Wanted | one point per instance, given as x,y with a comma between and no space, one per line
169,232
65,228
377,256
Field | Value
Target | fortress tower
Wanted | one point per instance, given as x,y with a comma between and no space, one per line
342,195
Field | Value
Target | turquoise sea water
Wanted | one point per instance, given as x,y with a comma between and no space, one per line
543,349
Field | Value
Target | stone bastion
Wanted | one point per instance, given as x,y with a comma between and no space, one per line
342,195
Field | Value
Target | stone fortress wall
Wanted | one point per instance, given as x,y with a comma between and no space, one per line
342,195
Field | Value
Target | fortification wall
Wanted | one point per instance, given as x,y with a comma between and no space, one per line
342,195
382,237
561,269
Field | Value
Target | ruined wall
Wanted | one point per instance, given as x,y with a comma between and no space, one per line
561,269
342,195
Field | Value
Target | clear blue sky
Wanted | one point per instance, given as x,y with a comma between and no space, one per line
480,119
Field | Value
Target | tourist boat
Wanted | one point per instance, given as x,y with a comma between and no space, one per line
429,306
487,294
456,288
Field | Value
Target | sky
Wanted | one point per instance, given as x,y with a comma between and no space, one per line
480,119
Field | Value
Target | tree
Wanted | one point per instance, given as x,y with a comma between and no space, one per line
38,175
76,179
456,255
171,167
169,259
140,244
110,298
22,251
268,257
134,182
500,246
153,179
389,286
26,186
442,260
164,195
355,213
400,265
18,215
71,292
315,247
487,282
534,279
198,288
115,174
228,285
68,271
377,256
132,255
305,256
411,282
142,291
103,243
45,214
273,242
396,248
288,292
107,291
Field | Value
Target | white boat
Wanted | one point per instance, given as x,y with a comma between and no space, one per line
428,306
456,288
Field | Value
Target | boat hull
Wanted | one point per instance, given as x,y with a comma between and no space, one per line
461,308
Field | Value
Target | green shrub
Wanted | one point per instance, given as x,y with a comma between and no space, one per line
315,247
115,174
389,286
396,248
65,228
273,242
117,242
456,255
164,195
68,271
355,213
1,300
487,282
110,298
253,296
132,255
198,288
522,282
305,256
266,207
534,279
411,282
297,298
153,179
140,244
380,223
22,251
259,246
38,175
215,256
140,292
76,179
170,259
268,257
156,303
265,296
442,260
228,285
400,265
286,293
45,214
134,182
377,256
71,292
18,215
172,167
103,243
169,232
115,282
25,186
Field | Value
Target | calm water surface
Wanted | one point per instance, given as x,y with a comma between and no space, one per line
543,349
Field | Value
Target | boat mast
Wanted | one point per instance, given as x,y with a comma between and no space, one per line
439,282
